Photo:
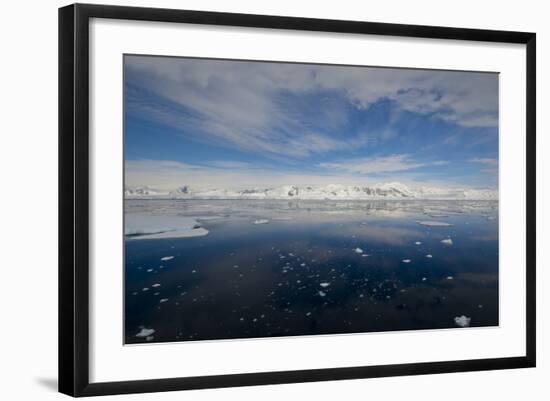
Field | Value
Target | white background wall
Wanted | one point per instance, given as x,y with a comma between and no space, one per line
28,211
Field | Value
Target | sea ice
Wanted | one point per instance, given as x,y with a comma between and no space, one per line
358,250
324,285
418,243
163,300
156,285
449,277
167,258
463,321
148,225
430,223
261,221
429,256
447,241
145,332
406,261
322,293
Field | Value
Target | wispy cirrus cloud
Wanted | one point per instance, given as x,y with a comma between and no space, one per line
377,165
294,110
485,160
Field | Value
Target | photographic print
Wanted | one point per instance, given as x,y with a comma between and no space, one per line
269,199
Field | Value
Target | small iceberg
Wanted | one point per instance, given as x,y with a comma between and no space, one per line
447,241
418,243
165,258
430,223
322,293
358,250
163,300
429,256
261,221
156,285
145,332
324,285
450,277
463,321
406,261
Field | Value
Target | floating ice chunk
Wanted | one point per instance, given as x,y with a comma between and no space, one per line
324,285
406,261
424,278
156,285
429,256
463,321
418,243
149,270
308,314
147,225
163,300
322,293
261,221
145,332
449,277
167,258
358,250
145,289
447,241
430,223
302,264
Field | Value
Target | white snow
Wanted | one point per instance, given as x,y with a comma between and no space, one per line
261,221
463,321
358,250
391,190
430,223
447,241
145,332
151,225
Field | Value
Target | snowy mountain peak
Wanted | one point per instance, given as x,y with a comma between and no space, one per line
393,190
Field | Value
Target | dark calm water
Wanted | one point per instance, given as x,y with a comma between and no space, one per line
302,274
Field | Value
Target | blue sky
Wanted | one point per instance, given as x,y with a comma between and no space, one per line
237,124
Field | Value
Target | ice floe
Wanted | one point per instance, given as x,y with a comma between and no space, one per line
156,285
450,277
163,300
418,243
261,221
406,261
145,332
322,293
429,256
358,250
165,258
324,285
463,321
447,241
142,225
430,223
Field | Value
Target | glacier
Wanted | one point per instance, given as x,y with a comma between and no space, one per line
393,190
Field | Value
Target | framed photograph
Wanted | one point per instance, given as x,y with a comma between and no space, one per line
250,199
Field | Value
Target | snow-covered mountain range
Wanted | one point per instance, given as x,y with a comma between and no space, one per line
394,190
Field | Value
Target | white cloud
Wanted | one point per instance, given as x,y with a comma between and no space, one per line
373,165
485,160
238,104
168,175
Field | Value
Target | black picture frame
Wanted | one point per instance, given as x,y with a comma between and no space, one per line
74,198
